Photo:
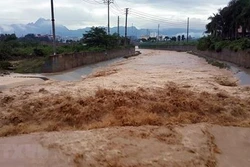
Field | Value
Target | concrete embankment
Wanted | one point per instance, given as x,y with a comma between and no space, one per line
179,48
241,58
64,62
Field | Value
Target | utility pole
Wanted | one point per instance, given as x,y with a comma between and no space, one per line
53,27
118,26
187,29
126,26
132,33
108,2
158,37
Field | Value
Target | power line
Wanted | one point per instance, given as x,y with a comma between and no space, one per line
116,10
157,20
92,2
117,7
155,17
98,2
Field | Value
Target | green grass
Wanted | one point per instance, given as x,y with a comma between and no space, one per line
31,57
217,63
32,65
4,65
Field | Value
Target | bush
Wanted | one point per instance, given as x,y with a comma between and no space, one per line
33,65
204,43
212,47
237,48
4,65
38,52
218,44
245,43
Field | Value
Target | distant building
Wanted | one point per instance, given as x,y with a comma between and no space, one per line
153,34
144,37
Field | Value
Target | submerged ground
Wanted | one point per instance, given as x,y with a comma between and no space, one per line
161,108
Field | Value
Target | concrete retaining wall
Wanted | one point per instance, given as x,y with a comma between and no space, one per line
64,62
241,58
181,48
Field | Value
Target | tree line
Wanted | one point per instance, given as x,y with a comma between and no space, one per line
231,22
30,46
28,53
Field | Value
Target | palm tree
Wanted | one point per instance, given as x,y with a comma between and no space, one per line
227,21
244,16
215,25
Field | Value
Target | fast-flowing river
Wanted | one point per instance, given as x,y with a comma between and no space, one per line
78,73
242,74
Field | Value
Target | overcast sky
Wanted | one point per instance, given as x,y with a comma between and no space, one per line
142,13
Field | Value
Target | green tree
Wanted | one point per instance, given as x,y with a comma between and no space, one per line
95,37
226,23
173,39
183,37
179,38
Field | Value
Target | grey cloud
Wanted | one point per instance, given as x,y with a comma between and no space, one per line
78,13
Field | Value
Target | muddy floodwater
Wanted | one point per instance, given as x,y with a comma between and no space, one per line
161,108
242,74
78,73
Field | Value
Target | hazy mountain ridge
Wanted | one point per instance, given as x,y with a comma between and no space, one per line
43,26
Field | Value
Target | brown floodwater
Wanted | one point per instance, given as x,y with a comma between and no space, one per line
242,74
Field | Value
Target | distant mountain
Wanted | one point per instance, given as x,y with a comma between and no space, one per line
133,31
43,26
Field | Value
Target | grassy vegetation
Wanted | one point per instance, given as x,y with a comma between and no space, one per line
32,65
31,52
212,61
217,63
4,65
216,44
